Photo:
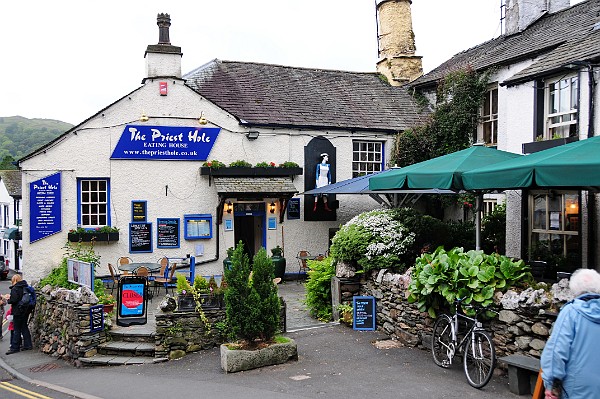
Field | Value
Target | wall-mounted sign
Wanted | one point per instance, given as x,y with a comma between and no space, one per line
80,272
228,224
293,208
167,233
140,237
45,212
162,88
364,312
96,318
139,210
272,223
178,143
197,226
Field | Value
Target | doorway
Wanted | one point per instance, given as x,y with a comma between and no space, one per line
249,222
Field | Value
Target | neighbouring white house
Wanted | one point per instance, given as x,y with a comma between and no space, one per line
542,93
146,164
10,218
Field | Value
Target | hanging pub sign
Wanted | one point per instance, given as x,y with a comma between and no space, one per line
177,143
45,212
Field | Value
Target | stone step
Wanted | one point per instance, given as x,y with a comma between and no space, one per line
132,335
126,348
114,360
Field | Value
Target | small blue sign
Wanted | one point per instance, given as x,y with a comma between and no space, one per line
364,313
177,143
45,212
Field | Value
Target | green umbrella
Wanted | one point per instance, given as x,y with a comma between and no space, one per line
444,172
573,165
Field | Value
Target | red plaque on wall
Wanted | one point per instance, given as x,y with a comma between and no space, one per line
163,88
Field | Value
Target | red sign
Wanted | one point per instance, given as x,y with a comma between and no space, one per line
131,299
163,88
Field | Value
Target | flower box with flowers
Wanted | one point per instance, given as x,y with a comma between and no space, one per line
105,233
243,168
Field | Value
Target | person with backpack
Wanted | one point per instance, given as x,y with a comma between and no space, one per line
20,312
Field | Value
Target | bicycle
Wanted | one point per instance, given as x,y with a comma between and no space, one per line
476,346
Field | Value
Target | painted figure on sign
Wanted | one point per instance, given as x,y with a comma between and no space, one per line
323,178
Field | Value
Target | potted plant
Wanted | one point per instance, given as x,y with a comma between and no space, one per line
345,312
104,233
227,260
278,261
108,301
185,296
253,310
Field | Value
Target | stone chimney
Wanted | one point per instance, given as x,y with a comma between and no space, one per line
522,13
162,59
397,59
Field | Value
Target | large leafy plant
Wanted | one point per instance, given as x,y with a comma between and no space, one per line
318,288
441,277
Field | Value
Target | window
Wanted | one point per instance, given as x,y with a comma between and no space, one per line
93,203
489,205
367,157
554,227
5,213
488,128
561,110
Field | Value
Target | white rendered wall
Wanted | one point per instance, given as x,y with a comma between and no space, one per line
87,154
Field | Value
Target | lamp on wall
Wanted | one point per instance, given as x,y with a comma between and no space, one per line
144,118
228,207
202,120
272,207
252,135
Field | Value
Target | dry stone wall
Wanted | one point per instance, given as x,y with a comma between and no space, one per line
60,325
523,324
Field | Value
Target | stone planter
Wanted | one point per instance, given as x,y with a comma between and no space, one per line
234,360
87,237
186,303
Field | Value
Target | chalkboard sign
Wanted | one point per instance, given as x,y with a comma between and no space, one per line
293,208
167,233
138,211
140,237
96,318
364,312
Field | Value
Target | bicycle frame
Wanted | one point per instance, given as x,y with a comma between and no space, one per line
475,325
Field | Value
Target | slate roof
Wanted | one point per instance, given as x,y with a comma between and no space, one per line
12,181
282,96
266,186
556,38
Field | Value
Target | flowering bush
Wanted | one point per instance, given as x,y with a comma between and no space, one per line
213,164
373,239
265,165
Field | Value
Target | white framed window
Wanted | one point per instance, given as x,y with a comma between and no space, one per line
554,228
367,157
93,202
489,204
487,131
561,108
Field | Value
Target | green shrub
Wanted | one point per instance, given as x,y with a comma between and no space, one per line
375,240
441,277
240,164
252,305
318,288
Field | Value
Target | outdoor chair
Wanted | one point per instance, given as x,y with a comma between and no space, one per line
302,257
165,280
114,279
143,271
124,260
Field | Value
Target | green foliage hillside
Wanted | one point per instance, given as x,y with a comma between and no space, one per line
19,136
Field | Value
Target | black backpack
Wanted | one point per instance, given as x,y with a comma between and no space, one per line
28,299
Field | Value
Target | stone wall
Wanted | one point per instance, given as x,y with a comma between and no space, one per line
60,325
178,333
522,326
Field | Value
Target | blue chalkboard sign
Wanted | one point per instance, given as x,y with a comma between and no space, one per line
364,313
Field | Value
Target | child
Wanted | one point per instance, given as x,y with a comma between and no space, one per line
11,326
2,303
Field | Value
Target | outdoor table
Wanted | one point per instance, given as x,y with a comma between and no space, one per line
131,267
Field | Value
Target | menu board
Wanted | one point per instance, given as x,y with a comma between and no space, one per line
138,211
364,312
140,237
45,212
96,318
293,208
167,233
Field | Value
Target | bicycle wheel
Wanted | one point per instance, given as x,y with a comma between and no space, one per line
479,359
442,347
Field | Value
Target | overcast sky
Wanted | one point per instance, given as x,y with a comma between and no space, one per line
66,60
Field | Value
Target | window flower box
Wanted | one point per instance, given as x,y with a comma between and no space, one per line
535,146
237,171
105,234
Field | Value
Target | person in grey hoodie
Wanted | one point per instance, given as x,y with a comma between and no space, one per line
571,358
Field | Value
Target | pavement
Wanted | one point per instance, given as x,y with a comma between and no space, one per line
334,362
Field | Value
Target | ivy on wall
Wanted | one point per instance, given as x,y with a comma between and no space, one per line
452,124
